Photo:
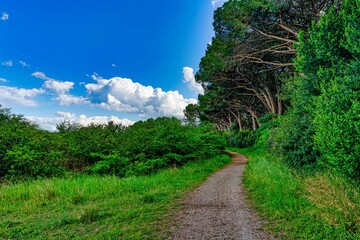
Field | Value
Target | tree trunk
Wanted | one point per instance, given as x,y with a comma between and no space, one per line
253,123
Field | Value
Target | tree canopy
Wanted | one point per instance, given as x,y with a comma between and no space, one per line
250,57
294,58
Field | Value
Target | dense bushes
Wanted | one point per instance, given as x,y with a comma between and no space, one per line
241,139
294,136
338,128
323,125
149,146
25,150
144,148
83,146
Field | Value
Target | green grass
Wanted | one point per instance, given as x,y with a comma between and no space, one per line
94,207
297,206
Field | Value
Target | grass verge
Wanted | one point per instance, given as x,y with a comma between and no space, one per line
297,206
94,207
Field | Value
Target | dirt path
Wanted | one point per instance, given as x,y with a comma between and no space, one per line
217,209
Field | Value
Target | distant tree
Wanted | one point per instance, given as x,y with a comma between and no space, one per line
191,114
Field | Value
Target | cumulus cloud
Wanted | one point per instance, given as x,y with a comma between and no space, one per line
60,89
114,65
8,63
10,95
66,116
68,99
51,84
114,94
189,79
124,95
3,80
4,16
49,123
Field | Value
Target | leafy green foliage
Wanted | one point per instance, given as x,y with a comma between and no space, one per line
144,148
155,144
24,149
337,126
83,146
241,139
112,164
323,126
294,135
337,122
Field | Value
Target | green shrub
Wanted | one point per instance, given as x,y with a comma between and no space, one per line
246,138
241,138
323,125
338,127
84,145
112,164
165,142
140,149
144,148
26,151
294,139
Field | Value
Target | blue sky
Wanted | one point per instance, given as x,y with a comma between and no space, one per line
95,61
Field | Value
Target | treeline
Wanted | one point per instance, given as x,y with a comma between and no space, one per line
26,151
294,62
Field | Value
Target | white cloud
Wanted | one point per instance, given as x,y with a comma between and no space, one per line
85,121
57,86
61,90
51,84
42,76
124,95
189,79
5,16
49,123
24,64
21,96
96,77
66,116
68,99
114,65
3,80
8,63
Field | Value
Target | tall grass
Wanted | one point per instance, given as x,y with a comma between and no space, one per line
298,206
93,207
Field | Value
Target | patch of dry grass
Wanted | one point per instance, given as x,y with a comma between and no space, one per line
337,201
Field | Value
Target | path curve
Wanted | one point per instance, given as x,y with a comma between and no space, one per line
217,209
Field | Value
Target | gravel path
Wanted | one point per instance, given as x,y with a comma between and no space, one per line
217,209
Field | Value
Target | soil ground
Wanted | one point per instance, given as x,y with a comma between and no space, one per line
218,210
